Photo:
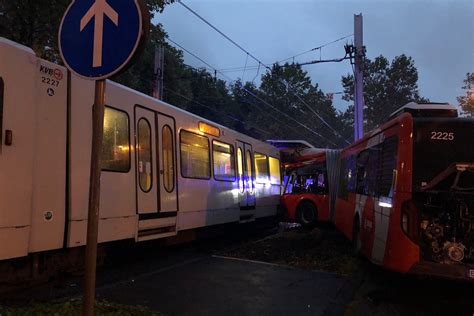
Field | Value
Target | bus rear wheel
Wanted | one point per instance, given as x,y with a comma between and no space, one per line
307,213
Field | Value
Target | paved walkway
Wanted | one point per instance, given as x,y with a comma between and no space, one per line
226,286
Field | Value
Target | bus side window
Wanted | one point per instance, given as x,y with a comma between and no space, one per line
1,112
362,164
288,181
343,179
322,183
386,167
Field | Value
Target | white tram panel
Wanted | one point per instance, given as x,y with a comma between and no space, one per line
35,214
16,161
32,169
49,165
117,194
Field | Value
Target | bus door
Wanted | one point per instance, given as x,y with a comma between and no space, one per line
246,179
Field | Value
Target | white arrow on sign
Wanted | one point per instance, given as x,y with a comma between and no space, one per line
97,11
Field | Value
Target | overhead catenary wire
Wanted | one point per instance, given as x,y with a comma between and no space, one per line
216,111
260,62
252,94
252,67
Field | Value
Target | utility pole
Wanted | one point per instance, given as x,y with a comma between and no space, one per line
358,78
158,72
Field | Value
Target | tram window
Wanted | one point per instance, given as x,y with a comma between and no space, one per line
275,177
240,168
2,87
116,143
250,171
387,166
168,158
194,156
144,155
261,167
224,161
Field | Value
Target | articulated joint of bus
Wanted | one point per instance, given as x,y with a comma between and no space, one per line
444,216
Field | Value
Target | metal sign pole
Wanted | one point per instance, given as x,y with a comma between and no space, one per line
94,198
85,52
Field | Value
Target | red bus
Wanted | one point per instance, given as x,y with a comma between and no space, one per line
406,192
309,189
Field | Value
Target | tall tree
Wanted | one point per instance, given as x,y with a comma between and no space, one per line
289,88
387,86
466,102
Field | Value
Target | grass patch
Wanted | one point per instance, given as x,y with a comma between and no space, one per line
73,307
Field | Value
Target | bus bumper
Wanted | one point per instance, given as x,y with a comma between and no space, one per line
449,271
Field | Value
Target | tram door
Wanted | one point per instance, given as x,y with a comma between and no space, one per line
146,160
155,163
167,165
246,176
156,176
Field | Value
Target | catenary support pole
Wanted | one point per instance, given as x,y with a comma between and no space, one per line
94,198
359,78
159,72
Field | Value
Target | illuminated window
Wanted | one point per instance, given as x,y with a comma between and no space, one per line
275,177
2,86
224,161
116,143
248,166
194,156
144,155
168,158
261,167
240,168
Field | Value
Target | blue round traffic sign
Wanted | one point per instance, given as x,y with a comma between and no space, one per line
97,38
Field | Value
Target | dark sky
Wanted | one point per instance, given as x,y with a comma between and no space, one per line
438,35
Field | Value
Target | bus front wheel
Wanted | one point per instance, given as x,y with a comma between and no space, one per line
307,213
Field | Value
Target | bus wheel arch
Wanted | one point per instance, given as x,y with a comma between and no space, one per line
306,213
